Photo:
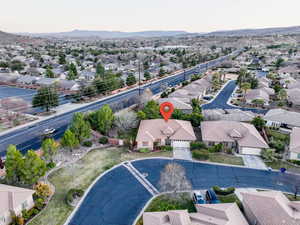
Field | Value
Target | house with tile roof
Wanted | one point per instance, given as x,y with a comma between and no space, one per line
12,201
270,208
243,137
178,103
177,133
207,214
282,118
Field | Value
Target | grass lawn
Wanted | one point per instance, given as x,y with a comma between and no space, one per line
80,175
170,202
281,164
226,159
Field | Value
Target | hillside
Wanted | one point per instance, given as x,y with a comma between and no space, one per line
255,32
107,34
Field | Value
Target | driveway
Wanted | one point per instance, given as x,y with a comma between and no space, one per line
118,198
220,101
182,153
253,161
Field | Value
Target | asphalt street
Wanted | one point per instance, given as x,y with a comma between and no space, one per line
117,198
220,102
30,137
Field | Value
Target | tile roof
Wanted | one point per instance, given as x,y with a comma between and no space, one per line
230,131
151,130
272,208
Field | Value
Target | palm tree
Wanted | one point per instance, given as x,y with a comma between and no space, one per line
282,95
245,87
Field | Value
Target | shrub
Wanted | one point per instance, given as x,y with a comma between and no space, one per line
216,148
166,148
87,144
103,140
164,95
39,203
220,191
144,150
201,154
51,165
25,214
72,194
296,162
42,190
197,145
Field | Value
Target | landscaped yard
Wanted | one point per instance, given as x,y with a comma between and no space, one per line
281,164
226,159
80,175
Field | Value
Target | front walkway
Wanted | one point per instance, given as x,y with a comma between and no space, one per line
182,153
254,162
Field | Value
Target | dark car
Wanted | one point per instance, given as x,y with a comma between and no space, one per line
198,198
212,197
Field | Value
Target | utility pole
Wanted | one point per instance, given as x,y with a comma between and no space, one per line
139,77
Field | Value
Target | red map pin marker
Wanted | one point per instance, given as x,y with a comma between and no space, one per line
166,110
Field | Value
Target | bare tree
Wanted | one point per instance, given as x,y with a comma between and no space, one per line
145,97
173,179
126,120
290,181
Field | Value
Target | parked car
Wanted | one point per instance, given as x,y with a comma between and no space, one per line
198,198
211,197
49,131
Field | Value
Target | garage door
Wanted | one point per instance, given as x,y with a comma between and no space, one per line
180,144
251,151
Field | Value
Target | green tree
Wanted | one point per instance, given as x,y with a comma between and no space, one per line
49,147
46,98
161,72
73,68
196,119
33,168
245,87
71,75
101,86
69,140
104,119
130,80
151,110
282,95
279,62
13,165
62,59
147,75
258,122
49,73
4,64
89,91
100,70
16,65
80,127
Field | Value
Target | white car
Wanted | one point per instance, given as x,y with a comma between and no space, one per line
49,131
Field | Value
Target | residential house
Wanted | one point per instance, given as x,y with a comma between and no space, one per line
9,77
178,103
294,97
44,82
270,208
207,214
177,133
26,79
13,201
255,94
69,85
241,136
87,75
294,149
277,118
228,114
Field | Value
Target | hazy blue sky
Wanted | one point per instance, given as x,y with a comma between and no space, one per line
137,15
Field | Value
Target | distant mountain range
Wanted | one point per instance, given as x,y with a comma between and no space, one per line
107,34
257,32
147,34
